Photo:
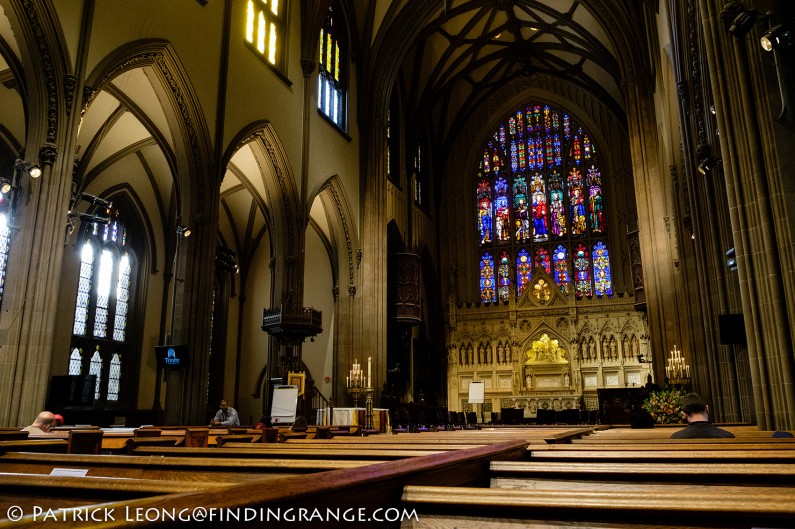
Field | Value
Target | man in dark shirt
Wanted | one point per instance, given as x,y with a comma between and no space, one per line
698,425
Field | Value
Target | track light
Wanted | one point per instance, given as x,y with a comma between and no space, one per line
89,217
708,164
183,231
775,38
31,168
96,201
738,20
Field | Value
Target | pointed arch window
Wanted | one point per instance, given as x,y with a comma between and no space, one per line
103,304
331,94
265,30
5,246
540,203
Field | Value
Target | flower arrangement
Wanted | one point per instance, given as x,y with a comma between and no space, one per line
665,406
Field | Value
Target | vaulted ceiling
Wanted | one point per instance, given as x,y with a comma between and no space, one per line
468,49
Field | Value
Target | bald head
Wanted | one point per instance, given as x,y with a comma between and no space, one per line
45,420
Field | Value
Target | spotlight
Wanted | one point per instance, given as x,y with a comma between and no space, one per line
776,37
96,201
91,217
707,164
5,186
183,231
31,168
738,20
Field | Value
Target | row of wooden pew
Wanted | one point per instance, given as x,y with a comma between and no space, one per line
495,477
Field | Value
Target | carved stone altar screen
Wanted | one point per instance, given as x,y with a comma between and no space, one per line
545,352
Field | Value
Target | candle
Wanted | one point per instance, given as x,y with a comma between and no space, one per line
369,369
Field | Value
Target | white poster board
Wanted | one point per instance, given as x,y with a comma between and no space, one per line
477,392
285,398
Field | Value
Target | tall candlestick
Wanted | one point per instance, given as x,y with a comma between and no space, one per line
369,369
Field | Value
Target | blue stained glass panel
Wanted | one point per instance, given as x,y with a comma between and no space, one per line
603,282
487,291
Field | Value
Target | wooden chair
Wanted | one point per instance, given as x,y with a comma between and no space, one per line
85,442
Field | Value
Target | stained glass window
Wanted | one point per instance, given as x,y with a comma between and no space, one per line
5,245
487,293
102,306
523,270
331,80
582,272
265,29
561,261
504,274
541,182
601,270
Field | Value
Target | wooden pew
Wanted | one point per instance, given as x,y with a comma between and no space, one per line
172,468
635,505
57,446
237,439
282,451
725,455
522,474
32,491
684,444
165,441
362,488
14,434
84,442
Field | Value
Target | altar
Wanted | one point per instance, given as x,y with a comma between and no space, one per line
356,417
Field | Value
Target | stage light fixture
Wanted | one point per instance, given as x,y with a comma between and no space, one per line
777,37
707,164
183,231
5,186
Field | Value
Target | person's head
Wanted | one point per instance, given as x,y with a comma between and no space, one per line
45,421
58,419
223,405
694,407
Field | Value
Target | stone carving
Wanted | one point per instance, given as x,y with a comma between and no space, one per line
545,350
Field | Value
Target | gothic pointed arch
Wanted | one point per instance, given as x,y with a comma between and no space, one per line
181,109
342,227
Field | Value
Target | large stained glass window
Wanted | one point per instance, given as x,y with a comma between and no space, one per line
102,306
539,200
331,80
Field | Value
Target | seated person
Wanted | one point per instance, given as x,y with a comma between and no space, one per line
264,422
225,416
640,418
58,419
698,426
44,422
